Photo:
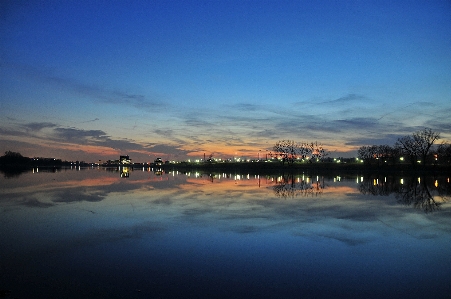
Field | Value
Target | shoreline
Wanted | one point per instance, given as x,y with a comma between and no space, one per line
248,167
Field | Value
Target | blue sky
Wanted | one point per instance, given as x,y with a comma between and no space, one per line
90,80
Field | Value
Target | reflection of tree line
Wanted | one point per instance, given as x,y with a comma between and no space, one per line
426,193
290,185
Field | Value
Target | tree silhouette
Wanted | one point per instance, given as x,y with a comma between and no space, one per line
317,151
418,194
444,153
418,144
289,151
377,153
287,186
11,158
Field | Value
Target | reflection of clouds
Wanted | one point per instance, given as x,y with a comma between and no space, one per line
197,211
342,237
79,195
48,183
245,229
108,235
247,206
97,236
35,203
424,193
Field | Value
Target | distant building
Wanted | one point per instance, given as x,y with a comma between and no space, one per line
158,162
124,160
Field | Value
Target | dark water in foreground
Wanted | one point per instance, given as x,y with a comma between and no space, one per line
94,234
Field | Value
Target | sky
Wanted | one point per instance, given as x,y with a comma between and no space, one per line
92,80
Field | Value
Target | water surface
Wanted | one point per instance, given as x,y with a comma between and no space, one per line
107,233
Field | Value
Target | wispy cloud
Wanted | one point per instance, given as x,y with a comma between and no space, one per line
37,126
168,149
77,135
94,92
91,120
95,137
12,132
383,138
347,99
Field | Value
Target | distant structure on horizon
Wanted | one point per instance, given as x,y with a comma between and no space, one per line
158,162
125,159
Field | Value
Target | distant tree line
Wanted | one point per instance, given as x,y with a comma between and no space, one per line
415,148
289,151
16,159
11,158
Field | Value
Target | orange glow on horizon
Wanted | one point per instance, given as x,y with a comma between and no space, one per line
249,149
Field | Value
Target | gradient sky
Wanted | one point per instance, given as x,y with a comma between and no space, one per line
89,80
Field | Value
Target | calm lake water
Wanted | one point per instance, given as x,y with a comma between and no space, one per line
99,233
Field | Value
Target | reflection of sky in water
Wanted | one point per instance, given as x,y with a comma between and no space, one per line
95,234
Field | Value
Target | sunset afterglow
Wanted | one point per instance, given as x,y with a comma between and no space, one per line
89,80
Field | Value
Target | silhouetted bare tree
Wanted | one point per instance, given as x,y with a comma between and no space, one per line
418,194
377,153
317,151
418,145
444,153
424,193
376,186
288,187
289,151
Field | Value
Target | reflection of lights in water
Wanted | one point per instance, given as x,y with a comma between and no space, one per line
402,181
125,172
419,180
436,183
